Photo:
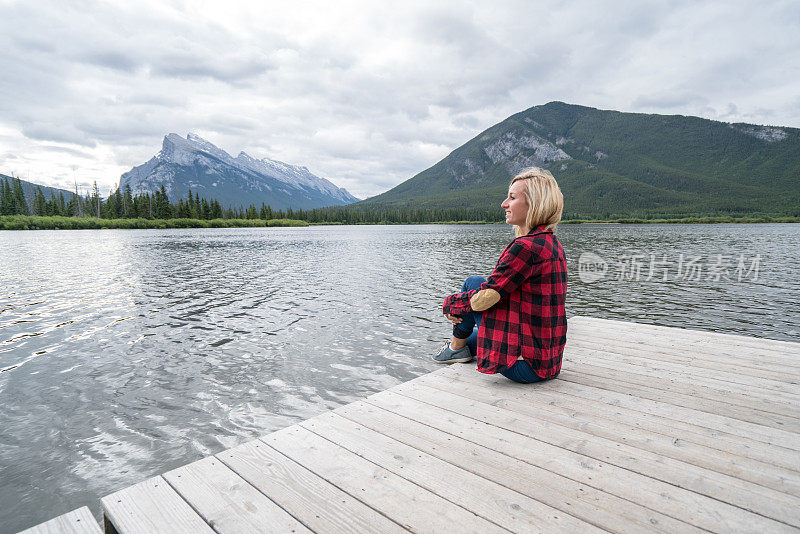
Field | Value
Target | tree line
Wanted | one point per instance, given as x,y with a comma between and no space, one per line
123,204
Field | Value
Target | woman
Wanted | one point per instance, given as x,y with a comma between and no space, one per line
519,309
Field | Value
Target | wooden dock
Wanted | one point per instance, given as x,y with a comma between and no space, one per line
646,429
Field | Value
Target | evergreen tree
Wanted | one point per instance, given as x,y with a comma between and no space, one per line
39,203
190,205
162,206
7,204
112,207
182,210
127,202
95,200
61,206
216,210
20,204
136,207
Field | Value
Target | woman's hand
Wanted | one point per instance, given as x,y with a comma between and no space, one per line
455,319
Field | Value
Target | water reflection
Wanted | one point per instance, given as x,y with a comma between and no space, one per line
126,353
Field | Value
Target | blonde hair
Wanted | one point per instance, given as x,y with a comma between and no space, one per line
545,201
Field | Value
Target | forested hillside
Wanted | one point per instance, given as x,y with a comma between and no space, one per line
611,164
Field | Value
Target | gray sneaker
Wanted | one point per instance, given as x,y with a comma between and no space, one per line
448,355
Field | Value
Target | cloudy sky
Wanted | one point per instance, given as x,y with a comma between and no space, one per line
368,93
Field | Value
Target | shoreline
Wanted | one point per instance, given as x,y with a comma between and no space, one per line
32,222
684,220
687,220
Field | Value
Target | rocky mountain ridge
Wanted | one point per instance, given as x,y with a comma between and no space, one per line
192,163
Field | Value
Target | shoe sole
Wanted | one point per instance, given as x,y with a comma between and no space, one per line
456,360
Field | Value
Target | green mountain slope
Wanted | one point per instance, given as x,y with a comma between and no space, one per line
611,164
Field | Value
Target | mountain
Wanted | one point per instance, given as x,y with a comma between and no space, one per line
194,163
612,164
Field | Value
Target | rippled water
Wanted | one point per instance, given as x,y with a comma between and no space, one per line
127,353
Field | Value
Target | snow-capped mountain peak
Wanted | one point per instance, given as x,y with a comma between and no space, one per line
196,164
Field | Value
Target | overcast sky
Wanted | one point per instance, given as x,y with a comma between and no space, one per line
366,94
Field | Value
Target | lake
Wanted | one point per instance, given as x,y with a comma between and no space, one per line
125,353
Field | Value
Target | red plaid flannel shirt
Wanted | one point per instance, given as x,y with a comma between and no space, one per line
529,320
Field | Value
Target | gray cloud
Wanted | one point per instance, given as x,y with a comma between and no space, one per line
205,64
48,131
112,60
66,150
667,100
367,94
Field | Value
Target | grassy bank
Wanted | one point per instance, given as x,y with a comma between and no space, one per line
25,222
684,220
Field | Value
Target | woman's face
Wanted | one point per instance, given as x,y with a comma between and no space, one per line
515,204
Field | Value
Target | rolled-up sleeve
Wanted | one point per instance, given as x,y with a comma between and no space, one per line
458,303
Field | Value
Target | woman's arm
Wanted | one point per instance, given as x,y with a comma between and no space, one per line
514,267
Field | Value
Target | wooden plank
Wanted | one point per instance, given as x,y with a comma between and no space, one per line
768,427
652,329
643,400
695,426
769,405
688,384
703,352
720,375
781,506
727,364
152,506
611,423
708,342
696,333
78,521
698,509
392,414
768,399
316,502
766,351
690,376
415,508
498,504
227,502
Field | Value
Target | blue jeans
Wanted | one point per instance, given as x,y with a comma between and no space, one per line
467,329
